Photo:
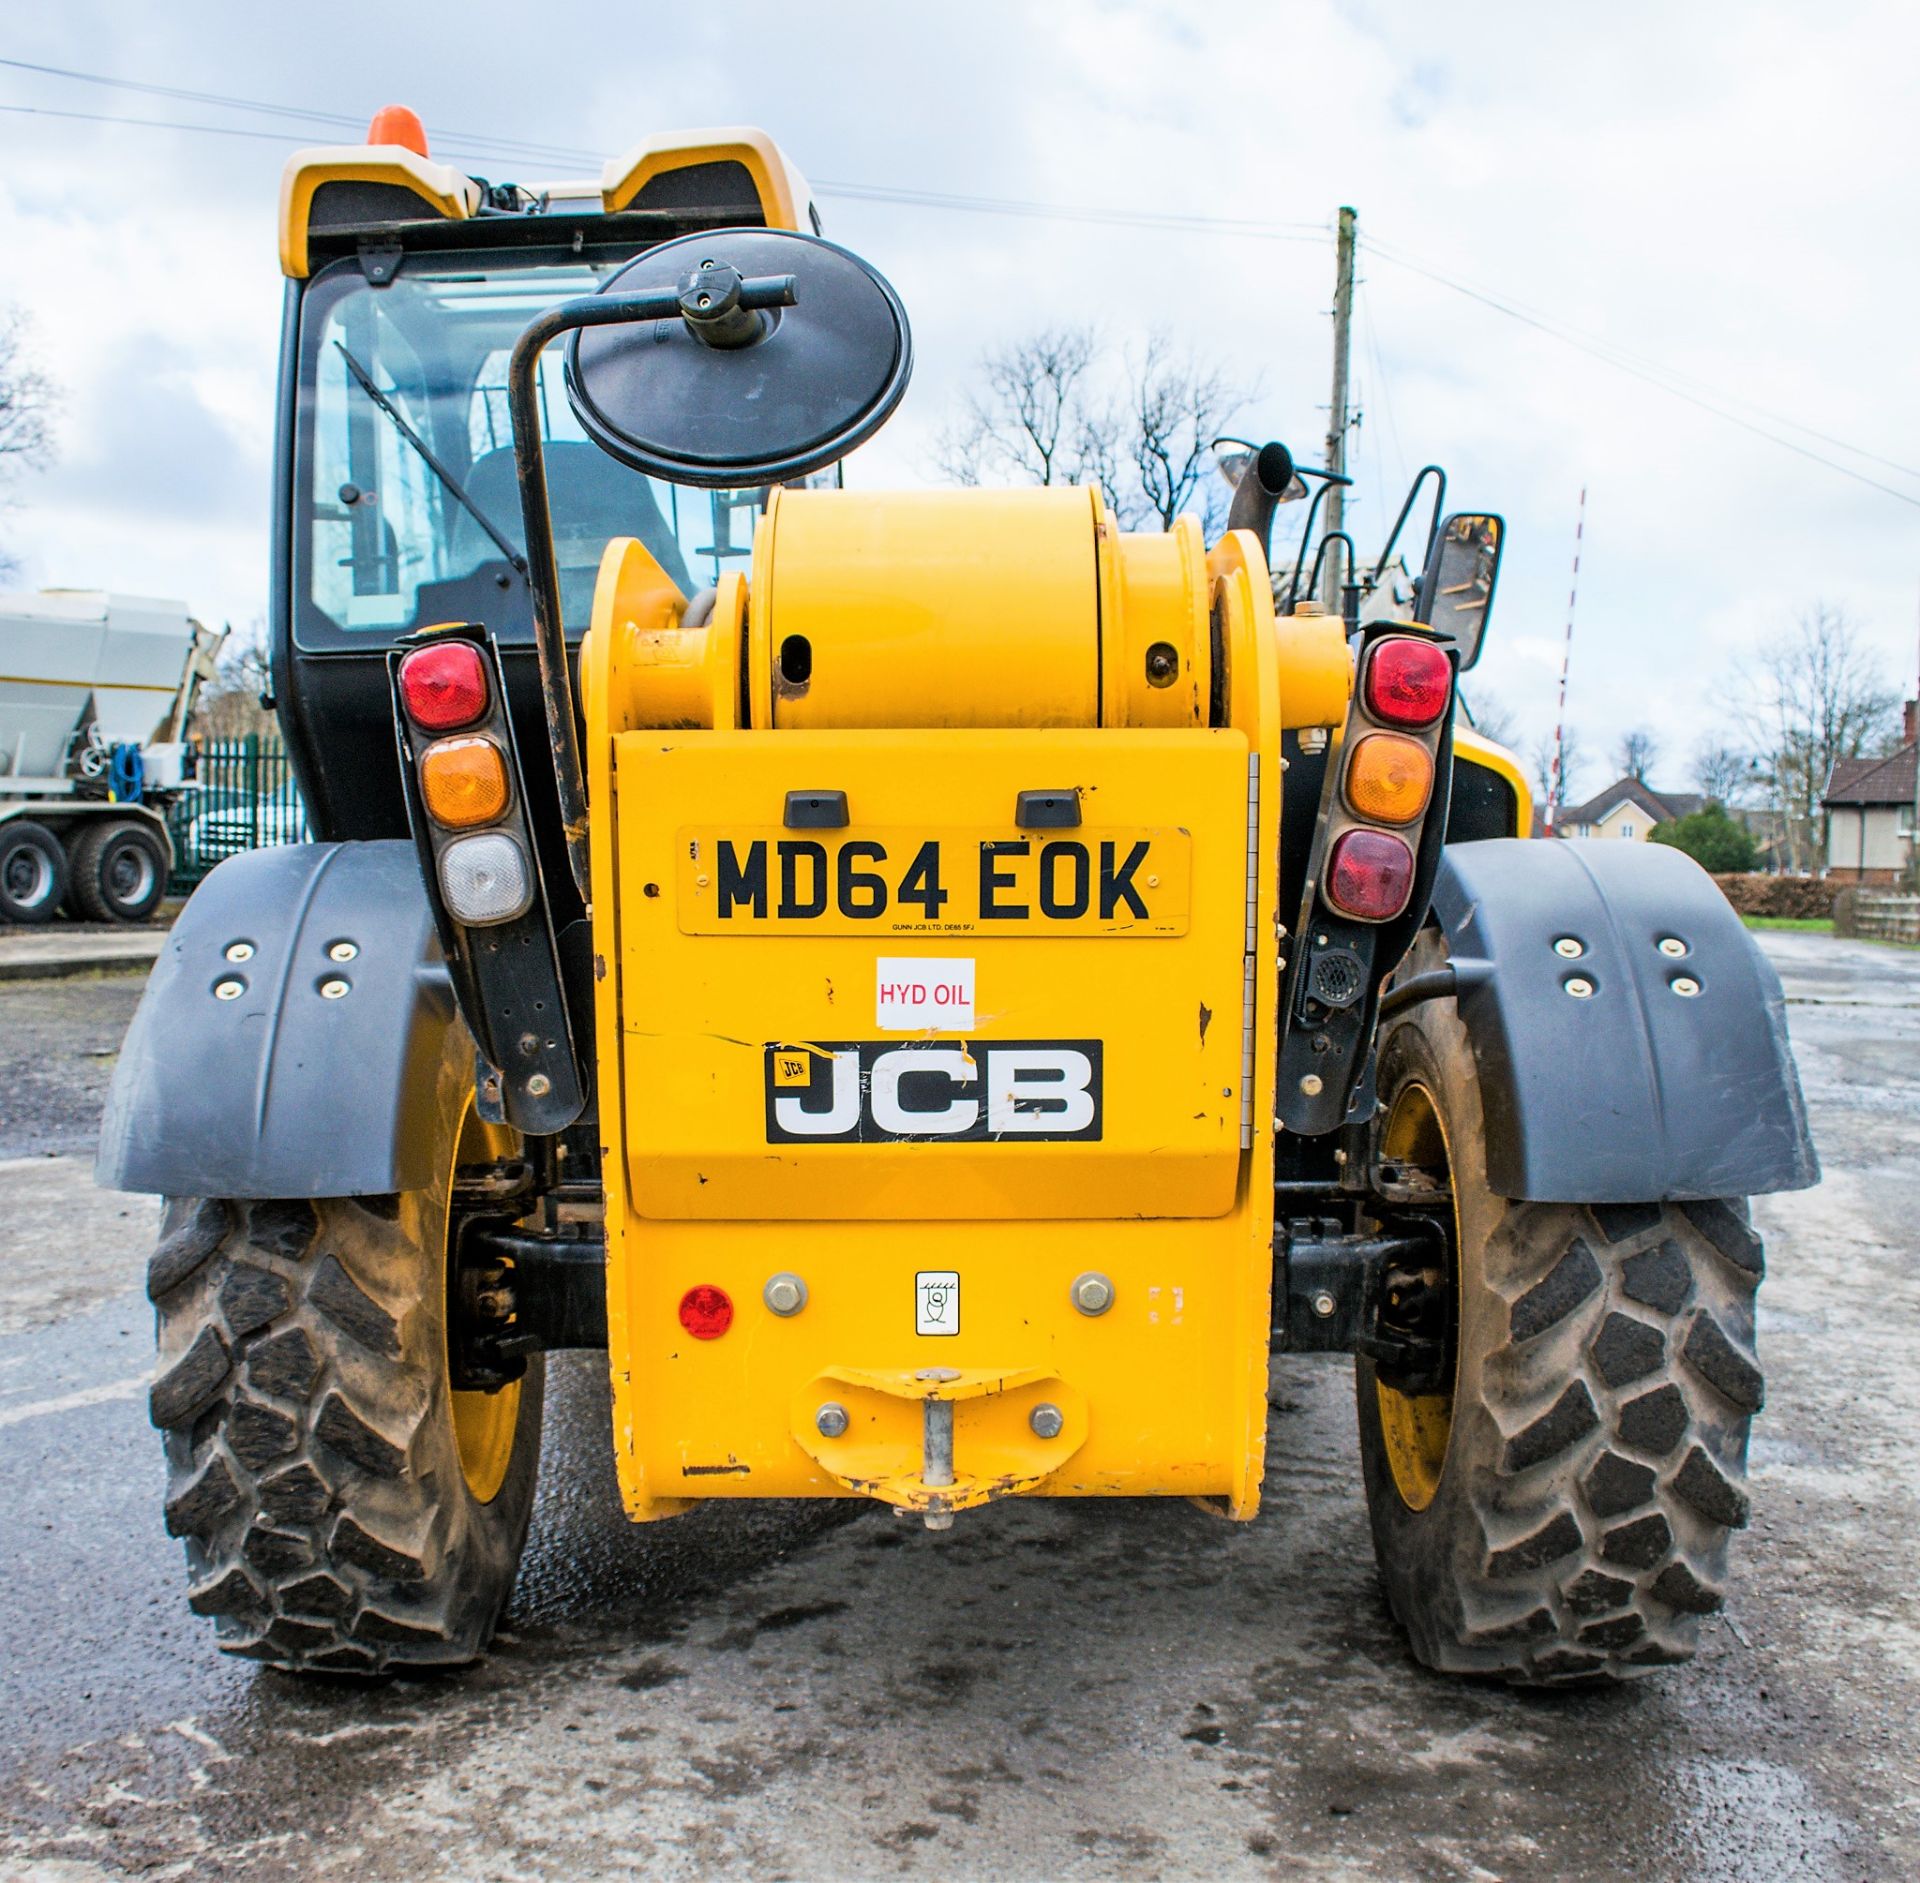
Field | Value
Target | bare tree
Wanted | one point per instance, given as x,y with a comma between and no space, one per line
1720,770
1818,694
1058,408
229,705
28,399
1493,718
1176,409
1573,760
1031,419
1636,753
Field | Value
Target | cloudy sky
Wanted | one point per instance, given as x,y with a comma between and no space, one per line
1722,195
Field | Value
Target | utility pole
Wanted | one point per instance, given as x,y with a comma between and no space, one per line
1332,575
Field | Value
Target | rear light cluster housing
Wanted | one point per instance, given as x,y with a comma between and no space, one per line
1388,763
465,782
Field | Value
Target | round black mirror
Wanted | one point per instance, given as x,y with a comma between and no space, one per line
753,397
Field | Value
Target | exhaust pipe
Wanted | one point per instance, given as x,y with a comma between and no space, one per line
1257,495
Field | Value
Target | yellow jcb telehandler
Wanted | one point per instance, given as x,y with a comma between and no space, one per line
938,986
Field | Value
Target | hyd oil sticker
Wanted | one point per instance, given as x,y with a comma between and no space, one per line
913,995
886,1091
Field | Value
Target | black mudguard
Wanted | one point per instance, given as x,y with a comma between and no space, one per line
1636,1093
283,1091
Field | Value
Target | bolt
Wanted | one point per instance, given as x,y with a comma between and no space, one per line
831,1420
1046,1421
1672,945
700,882
1324,1304
1312,1085
1163,664
1686,986
785,1295
1580,987
1570,948
342,951
336,989
229,990
1092,1292
1339,1157
705,300
239,951
539,1085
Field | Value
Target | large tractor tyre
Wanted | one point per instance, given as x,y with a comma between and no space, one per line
343,1508
1562,1515
119,872
33,872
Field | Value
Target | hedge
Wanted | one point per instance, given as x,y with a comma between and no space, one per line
1796,898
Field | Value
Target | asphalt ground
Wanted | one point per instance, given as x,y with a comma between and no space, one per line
1066,1689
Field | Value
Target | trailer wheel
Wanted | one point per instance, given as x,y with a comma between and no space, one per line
33,871
1563,1514
343,1508
119,872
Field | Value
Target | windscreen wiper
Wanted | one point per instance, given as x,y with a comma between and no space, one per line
453,485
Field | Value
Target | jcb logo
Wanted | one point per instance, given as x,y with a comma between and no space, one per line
879,1091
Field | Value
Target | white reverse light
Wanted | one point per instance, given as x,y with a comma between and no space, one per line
485,879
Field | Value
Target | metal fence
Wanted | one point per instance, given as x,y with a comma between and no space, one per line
1881,917
242,797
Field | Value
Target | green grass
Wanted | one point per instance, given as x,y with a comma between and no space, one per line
1806,924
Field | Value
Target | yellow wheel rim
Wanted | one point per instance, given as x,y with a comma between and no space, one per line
1415,1427
484,1424
483,1427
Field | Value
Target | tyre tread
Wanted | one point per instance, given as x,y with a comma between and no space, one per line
290,1397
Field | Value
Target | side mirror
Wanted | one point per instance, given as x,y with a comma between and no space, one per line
725,392
1456,591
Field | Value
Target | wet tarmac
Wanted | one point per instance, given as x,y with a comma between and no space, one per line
1085,1689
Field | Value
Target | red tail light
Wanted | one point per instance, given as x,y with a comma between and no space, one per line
706,1312
1369,875
1407,682
445,687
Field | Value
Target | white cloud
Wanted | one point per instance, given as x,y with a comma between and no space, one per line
1724,188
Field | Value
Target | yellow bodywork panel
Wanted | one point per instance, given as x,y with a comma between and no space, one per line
967,1110
785,200
1148,896
409,188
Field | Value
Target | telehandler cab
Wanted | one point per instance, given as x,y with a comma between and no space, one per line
938,986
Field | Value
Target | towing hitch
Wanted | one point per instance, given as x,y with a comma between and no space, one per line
1385,1295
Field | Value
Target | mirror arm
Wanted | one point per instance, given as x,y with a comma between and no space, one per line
1400,522
543,564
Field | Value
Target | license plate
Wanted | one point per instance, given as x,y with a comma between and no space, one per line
1115,881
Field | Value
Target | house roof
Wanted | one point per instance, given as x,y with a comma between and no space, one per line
1661,806
1888,780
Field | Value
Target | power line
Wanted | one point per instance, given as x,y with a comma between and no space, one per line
551,153
1565,330
470,141
1652,377
468,144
